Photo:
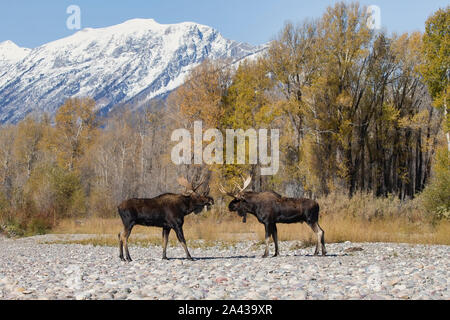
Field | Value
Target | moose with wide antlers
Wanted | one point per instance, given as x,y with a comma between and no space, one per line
271,208
166,211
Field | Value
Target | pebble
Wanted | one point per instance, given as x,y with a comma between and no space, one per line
30,269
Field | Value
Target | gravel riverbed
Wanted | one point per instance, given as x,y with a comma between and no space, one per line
31,269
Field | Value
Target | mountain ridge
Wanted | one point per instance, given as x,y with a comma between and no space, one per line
136,60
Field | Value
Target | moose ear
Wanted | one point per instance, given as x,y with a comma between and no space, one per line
240,197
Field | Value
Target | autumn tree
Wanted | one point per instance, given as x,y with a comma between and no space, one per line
436,67
436,72
358,113
27,143
201,96
75,131
249,105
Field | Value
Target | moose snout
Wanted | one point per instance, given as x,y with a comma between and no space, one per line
210,203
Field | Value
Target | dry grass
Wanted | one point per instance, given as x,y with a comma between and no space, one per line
360,219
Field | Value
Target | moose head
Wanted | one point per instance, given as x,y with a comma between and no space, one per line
198,200
239,202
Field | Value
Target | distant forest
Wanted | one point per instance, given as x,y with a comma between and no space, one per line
359,111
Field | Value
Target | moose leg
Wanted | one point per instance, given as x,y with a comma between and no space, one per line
121,247
275,239
123,242
165,234
320,238
180,236
124,238
268,228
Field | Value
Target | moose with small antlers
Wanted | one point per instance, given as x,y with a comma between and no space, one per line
166,211
271,208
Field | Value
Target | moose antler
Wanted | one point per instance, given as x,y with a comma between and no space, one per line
202,181
246,183
183,182
207,190
234,194
222,189
189,186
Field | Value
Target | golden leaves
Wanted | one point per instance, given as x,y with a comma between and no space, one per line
75,131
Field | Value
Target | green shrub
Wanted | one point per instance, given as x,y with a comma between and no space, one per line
436,196
13,228
51,193
38,225
68,193
51,189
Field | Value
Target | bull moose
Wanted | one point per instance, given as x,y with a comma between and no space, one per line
166,211
271,208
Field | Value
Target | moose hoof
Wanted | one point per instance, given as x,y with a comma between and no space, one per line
129,259
265,255
122,259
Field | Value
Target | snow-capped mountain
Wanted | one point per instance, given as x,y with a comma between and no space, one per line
11,53
134,61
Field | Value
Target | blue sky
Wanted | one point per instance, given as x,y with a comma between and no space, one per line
31,23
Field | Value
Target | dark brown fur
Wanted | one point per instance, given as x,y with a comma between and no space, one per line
166,211
270,208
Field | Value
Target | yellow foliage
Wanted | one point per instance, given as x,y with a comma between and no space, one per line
75,131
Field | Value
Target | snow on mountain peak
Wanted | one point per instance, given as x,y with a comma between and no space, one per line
11,53
136,60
